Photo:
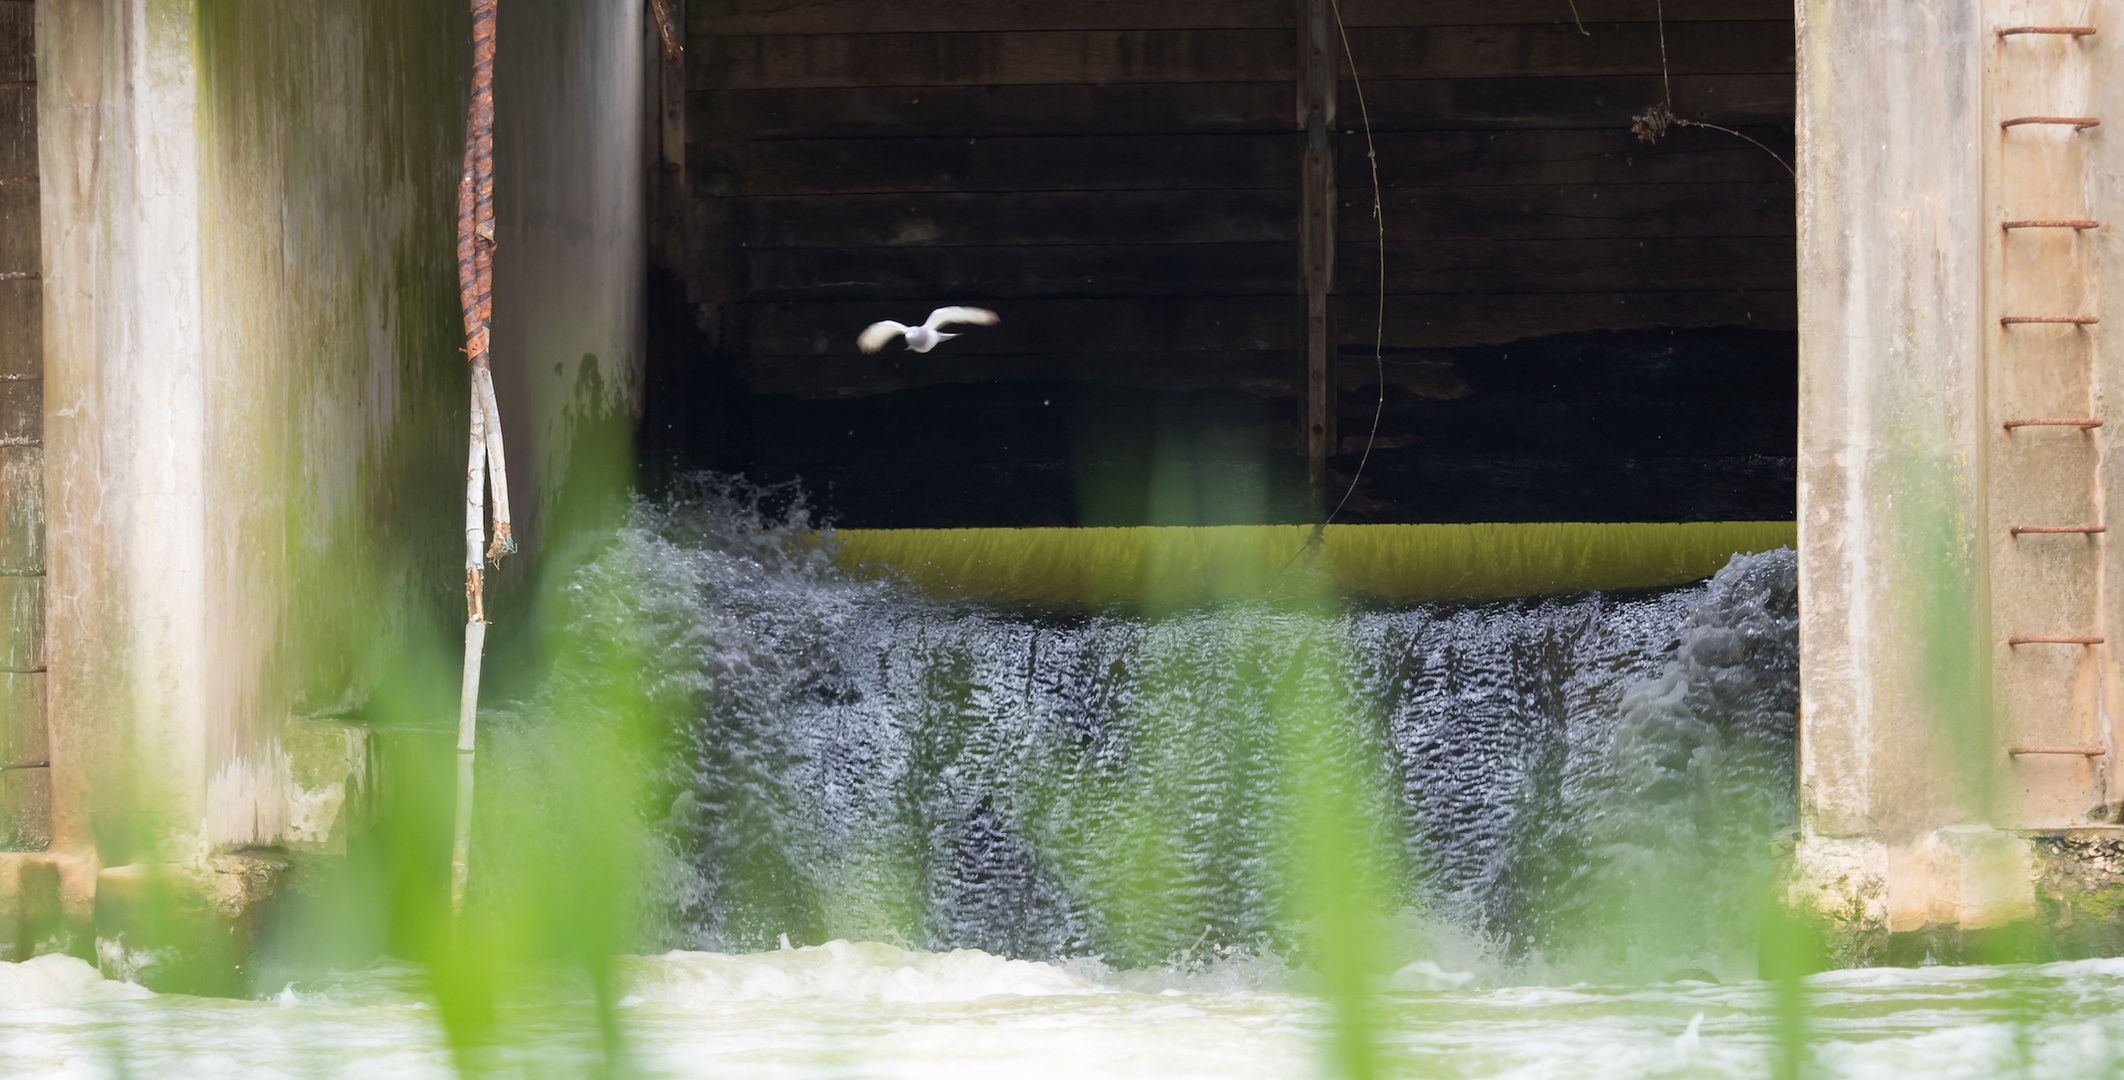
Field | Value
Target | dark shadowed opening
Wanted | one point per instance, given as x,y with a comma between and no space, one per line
1580,325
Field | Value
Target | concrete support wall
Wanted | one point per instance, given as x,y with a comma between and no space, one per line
256,392
1913,584
575,109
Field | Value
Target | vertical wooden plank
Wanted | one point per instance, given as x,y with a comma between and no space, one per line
25,781
668,238
1316,233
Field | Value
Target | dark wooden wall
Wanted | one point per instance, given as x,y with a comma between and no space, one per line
1579,326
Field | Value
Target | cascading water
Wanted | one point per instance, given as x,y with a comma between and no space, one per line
1593,775
1572,791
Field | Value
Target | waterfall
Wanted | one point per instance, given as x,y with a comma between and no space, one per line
843,757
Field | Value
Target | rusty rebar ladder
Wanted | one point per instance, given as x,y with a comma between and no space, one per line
2086,425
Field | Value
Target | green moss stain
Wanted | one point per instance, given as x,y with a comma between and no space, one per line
1936,581
330,139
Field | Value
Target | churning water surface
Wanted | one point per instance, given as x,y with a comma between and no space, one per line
851,1010
1086,836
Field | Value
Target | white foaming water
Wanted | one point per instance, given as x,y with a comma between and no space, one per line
59,982
842,971
841,758
863,1010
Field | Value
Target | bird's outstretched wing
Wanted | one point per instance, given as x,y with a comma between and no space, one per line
945,316
877,334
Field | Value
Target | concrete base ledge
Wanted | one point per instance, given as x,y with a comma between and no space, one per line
1963,894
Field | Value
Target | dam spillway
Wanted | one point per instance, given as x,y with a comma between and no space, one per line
848,757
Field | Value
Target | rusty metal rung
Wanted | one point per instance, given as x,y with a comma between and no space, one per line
11,766
2069,751
2051,223
2054,641
2088,422
25,376
2076,320
38,670
2087,529
2075,122
2075,31
21,275
6,180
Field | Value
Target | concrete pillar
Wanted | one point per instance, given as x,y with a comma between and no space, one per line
256,394
125,409
1914,585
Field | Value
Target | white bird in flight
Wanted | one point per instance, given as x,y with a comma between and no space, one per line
926,336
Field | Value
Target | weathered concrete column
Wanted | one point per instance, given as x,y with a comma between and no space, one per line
125,389
1958,681
256,397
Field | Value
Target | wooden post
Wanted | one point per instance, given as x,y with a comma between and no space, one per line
669,238
1316,235
25,773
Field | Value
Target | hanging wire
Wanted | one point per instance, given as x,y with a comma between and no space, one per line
1651,125
1371,154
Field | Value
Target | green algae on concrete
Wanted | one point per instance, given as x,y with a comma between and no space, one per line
1397,563
330,137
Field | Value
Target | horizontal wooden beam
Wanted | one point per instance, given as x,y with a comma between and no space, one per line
883,16
1097,162
1595,102
1418,160
1471,214
1014,218
1441,322
1037,56
1414,267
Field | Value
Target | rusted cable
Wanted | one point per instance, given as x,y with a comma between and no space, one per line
2076,122
2044,223
2069,751
667,30
2053,641
2075,320
2074,31
475,273
483,465
2047,422
2088,530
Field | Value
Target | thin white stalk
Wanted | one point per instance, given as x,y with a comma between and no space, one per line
475,498
467,719
497,467
475,644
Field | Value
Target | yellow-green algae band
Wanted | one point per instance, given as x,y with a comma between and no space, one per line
1405,563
